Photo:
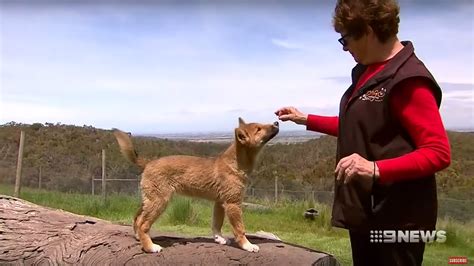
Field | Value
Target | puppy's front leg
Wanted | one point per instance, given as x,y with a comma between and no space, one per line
217,221
234,213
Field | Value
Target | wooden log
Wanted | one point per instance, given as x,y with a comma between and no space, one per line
32,234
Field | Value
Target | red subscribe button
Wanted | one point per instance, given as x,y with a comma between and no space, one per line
457,260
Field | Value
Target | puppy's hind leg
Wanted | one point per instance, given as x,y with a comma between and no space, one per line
217,221
234,213
135,222
152,209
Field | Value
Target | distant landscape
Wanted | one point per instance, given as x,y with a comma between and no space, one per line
293,136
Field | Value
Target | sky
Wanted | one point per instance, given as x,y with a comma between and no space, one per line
196,66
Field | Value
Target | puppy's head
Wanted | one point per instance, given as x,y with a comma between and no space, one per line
255,135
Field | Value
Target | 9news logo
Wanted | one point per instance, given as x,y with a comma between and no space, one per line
407,236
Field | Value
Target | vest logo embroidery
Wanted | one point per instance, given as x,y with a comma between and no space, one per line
375,95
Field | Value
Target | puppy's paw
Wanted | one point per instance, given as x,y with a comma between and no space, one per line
154,249
220,240
250,247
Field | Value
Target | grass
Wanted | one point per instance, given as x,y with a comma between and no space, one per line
193,217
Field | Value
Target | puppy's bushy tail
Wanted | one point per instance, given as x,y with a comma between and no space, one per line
127,149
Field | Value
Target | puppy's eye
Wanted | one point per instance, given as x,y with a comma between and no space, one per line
258,129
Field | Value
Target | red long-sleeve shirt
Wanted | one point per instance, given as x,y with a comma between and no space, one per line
414,105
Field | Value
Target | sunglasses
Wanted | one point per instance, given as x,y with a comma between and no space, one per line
343,40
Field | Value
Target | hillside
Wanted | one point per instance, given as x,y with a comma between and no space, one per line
69,156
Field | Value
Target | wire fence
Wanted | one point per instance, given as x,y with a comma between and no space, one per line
272,195
459,209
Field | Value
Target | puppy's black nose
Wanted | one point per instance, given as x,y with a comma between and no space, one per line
275,123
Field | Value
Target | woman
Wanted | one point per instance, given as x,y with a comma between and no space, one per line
391,140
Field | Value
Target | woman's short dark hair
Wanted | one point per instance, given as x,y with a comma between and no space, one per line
354,17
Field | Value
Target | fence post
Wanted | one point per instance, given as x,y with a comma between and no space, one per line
104,192
276,189
138,185
39,178
93,185
19,165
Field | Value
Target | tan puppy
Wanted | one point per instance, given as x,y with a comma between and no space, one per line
221,179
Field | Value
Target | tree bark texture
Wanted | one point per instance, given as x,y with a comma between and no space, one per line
34,235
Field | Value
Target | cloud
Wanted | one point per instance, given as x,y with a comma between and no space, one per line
189,68
287,44
457,107
32,113
340,79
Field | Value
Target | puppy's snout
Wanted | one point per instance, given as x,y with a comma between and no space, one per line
275,124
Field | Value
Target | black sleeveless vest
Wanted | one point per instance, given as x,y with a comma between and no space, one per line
367,127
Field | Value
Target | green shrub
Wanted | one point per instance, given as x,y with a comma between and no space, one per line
181,211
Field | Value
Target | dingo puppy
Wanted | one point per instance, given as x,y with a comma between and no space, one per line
221,179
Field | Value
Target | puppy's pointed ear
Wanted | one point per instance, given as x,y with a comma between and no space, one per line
241,122
241,136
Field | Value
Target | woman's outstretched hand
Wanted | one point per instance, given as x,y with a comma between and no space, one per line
291,114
